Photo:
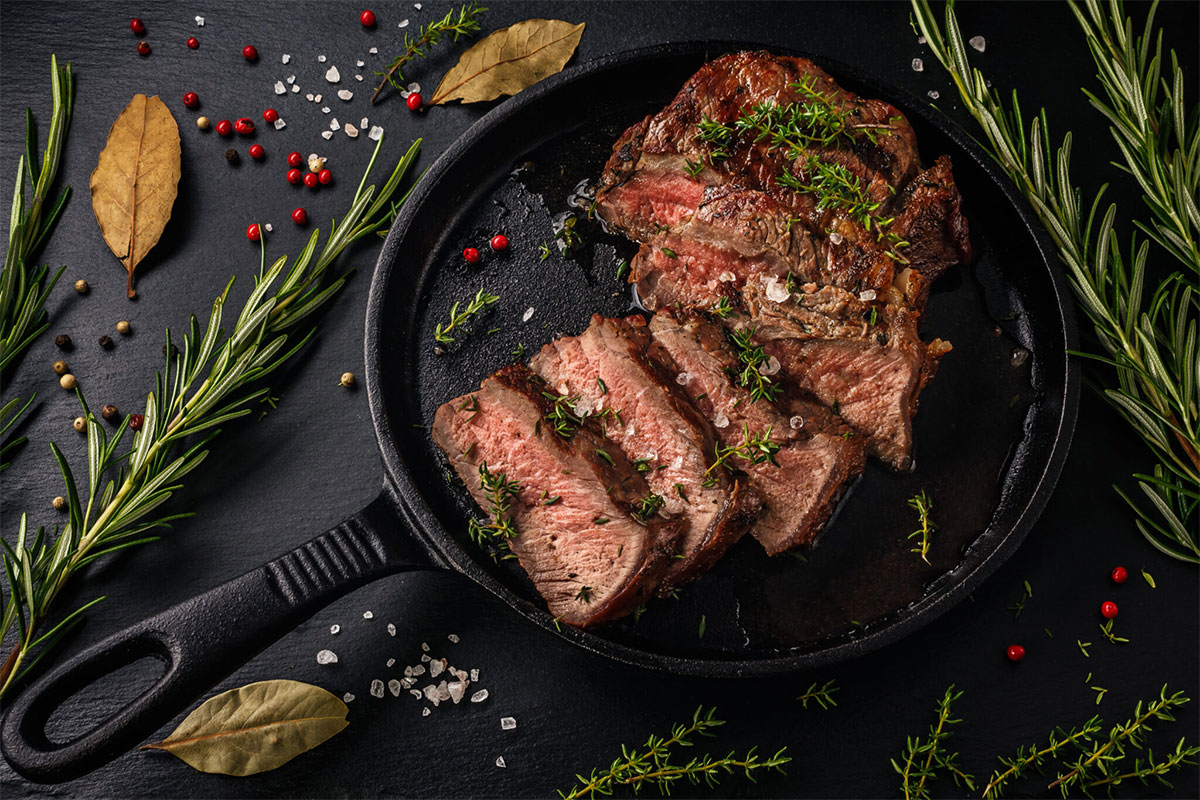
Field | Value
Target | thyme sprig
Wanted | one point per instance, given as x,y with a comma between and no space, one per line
458,318
202,386
924,758
822,696
753,358
1035,757
753,448
647,507
1149,344
921,503
455,25
653,765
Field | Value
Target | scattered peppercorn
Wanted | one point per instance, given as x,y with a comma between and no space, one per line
1108,609
316,164
224,127
253,233
80,424
174,350
325,176
59,503
270,115
1015,652
124,328
250,53
232,156
106,342
62,342
135,422
367,18
191,99
257,152
310,180
348,380
294,175
143,48
109,412
300,216
67,381
244,126
60,367
414,101
499,242
81,286
137,26
202,123
471,255
193,42
295,159
1120,575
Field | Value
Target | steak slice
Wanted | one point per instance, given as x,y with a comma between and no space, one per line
587,553
929,216
815,460
605,373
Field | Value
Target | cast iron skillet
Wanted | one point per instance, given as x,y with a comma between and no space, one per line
993,430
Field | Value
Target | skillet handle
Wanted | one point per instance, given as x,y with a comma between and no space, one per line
201,641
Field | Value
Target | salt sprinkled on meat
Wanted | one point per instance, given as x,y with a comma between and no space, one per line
453,637
326,134
351,131
527,315
334,629
682,378
285,58
726,277
368,614
479,696
391,629
867,295
348,697
280,88
776,290
771,367
796,422
394,687
918,65
376,688
978,42
934,94
835,237
720,421
500,762
332,75
327,657
345,94
508,723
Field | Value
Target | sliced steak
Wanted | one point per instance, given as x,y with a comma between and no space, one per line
605,373
929,217
588,553
815,460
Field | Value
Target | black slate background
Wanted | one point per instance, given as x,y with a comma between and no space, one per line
311,462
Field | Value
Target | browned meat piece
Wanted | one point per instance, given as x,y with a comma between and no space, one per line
929,217
588,552
605,373
816,458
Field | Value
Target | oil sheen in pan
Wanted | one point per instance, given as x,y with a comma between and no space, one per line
862,569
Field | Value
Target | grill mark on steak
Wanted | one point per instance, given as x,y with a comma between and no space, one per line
648,417
562,546
815,461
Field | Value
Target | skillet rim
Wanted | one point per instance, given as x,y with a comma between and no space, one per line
424,526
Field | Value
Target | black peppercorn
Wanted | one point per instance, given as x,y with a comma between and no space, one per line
232,156
109,412
174,350
62,342
106,342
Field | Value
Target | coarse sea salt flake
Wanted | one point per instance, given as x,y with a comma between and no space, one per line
268,227
351,131
508,723
200,21
332,75
435,668
295,88
425,646
285,58
431,694
368,615
720,421
373,50
334,124
528,315
375,134
358,63
417,6
978,42
326,134
918,65
419,669
345,94
796,422
321,59
474,674
394,687
867,295
771,367
335,629
683,378
391,629
326,657
391,662
479,696
776,290
280,88
316,98
376,688
403,23
309,96
291,79
934,94
425,656
835,237
363,123
280,124
325,109
425,712
453,637
500,762
358,77
348,697
416,693
456,690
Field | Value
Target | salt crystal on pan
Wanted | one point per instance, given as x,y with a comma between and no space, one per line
358,63
507,723
867,295
375,134
351,131
978,42
291,79
796,422
777,290
321,59
474,674
918,65
391,629
500,762
435,668
425,712
334,629
453,637
835,237
334,124
280,124
280,88
376,688
295,87
348,697
479,696
326,134
326,657
403,23
527,315
200,21
373,50
934,94
285,58
345,94
332,75
363,124
391,662
368,615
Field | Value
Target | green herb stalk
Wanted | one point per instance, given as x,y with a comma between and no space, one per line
456,25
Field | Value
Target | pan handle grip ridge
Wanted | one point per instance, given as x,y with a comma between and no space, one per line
201,641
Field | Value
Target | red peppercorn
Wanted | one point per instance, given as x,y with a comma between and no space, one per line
135,422
1120,575
257,152
224,127
250,52
295,159
499,242
414,101
300,216
244,125
1015,652
310,180
1108,609
143,48
137,26
471,255
270,115
253,233
325,176
367,18
193,42
293,175
191,100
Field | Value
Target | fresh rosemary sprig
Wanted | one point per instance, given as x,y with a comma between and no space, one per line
755,449
722,308
457,319
753,357
1018,607
1036,757
10,413
923,759
456,25
1149,344
202,385
652,764
921,503
822,696
24,288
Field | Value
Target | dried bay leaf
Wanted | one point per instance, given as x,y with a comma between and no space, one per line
510,60
255,728
136,180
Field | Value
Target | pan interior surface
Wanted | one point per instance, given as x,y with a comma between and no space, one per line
988,432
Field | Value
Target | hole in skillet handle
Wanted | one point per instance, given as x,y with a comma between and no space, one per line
201,641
